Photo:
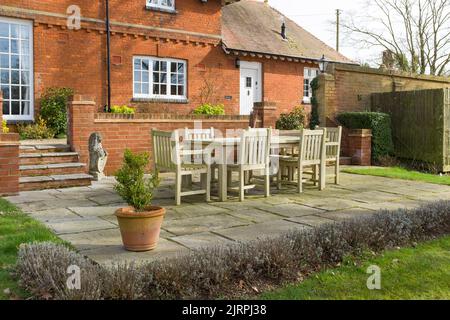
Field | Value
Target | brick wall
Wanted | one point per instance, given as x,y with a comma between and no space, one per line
192,15
120,132
9,160
77,58
348,88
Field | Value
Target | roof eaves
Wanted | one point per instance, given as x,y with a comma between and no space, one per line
229,50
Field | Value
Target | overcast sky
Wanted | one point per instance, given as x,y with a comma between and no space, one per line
319,16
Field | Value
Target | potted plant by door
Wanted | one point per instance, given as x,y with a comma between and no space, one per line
140,223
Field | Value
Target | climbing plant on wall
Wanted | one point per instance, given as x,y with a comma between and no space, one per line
314,119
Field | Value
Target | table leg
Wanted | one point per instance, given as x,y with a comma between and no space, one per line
223,188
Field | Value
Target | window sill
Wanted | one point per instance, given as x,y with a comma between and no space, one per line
306,101
171,11
161,100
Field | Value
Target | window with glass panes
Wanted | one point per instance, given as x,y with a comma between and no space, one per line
159,78
16,76
308,76
163,4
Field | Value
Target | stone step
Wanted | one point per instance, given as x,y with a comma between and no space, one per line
345,161
54,181
52,169
44,148
47,158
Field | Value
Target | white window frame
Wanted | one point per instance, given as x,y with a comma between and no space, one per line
151,95
159,5
29,117
309,74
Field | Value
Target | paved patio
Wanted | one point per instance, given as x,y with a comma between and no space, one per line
84,216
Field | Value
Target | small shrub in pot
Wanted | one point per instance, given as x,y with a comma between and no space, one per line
140,223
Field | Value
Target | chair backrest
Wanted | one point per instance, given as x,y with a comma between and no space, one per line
198,134
333,141
312,146
290,133
254,147
166,150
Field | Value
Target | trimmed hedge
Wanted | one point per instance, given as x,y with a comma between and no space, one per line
379,123
231,271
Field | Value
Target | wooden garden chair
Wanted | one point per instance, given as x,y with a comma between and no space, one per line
333,151
169,157
312,154
253,154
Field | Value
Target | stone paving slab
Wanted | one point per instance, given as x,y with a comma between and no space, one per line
114,254
346,214
263,230
98,211
78,225
201,240
202,224
53,215
254,215
312,221
291,210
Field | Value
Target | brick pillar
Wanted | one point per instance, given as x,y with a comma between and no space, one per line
267,113
326,99
360,146
81,125
9,160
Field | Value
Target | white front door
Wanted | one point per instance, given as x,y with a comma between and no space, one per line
250,86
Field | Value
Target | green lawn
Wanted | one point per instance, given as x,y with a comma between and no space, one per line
16,228
401,173
412,273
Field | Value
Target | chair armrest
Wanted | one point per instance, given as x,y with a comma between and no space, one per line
192,152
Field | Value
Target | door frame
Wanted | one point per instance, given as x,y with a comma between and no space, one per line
258,94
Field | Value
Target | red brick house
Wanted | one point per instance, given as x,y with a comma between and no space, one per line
167,56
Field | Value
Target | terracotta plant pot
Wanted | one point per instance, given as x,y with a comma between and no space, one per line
140,230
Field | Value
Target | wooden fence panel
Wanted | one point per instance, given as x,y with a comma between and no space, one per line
420,124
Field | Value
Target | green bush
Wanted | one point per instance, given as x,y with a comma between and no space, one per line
314,120
38,130
292,121
379,123
122,110
5,128
132,185
210,110
54,108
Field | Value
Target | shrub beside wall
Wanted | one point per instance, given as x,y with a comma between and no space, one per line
54,109
379,123
232,271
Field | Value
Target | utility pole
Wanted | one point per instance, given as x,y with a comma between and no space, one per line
338,24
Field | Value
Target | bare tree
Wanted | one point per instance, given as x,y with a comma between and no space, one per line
417,32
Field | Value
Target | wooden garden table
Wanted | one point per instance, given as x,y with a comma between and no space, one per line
227,147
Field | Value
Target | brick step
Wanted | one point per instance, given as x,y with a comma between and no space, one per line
345,161
44,148
54,181
51,169
48,158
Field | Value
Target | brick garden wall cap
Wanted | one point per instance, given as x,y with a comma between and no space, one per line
265,105
9,138
83,98
360,133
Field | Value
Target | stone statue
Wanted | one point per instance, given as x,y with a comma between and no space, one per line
97,156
